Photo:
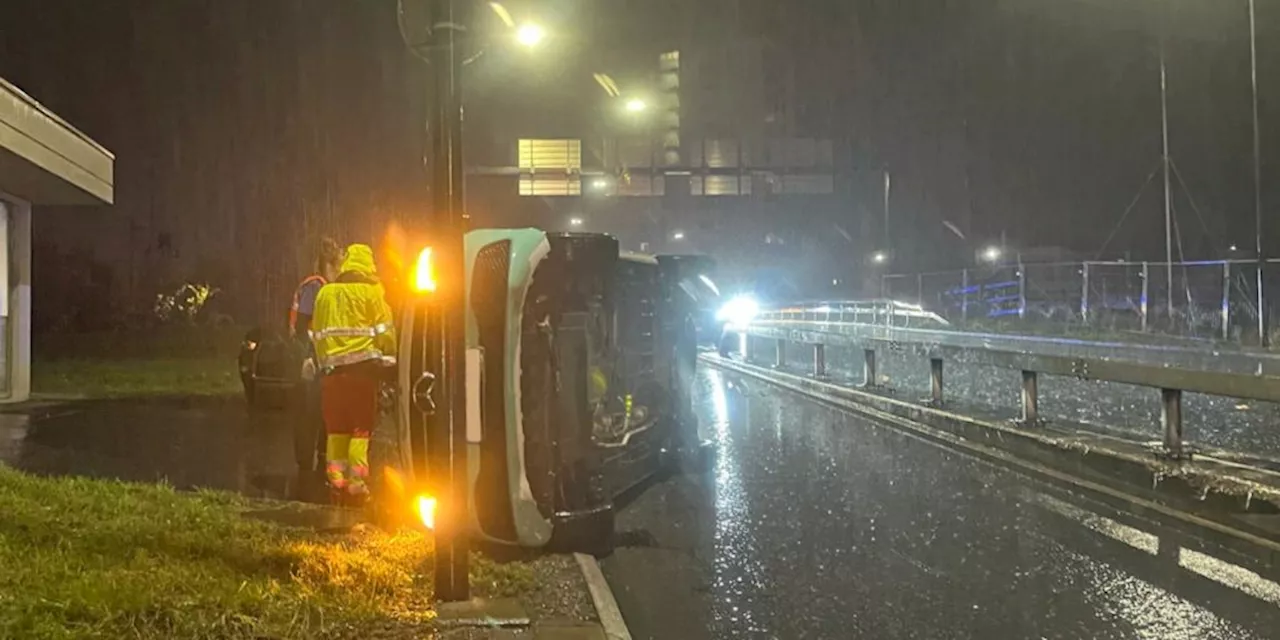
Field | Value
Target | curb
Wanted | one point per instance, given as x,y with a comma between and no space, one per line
615,628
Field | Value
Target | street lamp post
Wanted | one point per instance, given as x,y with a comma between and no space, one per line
447,19
1263,330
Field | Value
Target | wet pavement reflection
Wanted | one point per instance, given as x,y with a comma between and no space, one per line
213,443
816,524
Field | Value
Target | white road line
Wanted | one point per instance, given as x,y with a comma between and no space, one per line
602,596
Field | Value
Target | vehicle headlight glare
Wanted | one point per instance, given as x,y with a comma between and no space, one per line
739,311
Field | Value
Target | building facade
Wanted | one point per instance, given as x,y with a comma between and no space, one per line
726,152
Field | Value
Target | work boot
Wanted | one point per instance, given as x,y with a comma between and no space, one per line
357,493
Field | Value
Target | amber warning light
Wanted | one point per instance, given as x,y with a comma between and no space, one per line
427,510
424,273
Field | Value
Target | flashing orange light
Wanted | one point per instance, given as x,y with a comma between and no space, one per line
424,273
427,510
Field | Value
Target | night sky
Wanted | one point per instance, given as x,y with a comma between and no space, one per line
243,129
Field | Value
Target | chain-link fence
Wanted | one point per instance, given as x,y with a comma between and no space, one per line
1208,300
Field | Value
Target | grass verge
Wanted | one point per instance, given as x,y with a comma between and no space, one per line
102,559
132,377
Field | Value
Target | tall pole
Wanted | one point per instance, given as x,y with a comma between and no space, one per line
1263,329
887,187
1168,204
445,132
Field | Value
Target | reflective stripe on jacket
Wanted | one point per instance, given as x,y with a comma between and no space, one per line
297,300
352,321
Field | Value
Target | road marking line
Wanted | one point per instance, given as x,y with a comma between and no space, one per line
602,597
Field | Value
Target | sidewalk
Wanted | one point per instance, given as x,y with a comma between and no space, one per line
603,622
568,599
565,605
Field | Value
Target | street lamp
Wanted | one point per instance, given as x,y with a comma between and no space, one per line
575,222
880,257
530,35
679,235
636,105
992,254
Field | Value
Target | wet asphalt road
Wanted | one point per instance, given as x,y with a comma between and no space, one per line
818,524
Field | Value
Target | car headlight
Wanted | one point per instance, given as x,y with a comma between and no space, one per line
739,311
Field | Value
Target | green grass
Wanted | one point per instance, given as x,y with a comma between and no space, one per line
136,377
172,341
102,559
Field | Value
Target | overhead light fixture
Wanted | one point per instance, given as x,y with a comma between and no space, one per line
679,235
575,222
530,35
636,105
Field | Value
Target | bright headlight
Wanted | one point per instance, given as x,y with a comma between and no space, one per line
739,311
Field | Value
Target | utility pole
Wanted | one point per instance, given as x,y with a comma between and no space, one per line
1263,328
444,106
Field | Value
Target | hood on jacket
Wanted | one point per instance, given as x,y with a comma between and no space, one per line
359,260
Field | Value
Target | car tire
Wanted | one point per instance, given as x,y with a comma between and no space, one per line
308,431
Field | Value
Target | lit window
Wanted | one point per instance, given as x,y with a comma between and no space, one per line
550,167
719,186
550,185
550,155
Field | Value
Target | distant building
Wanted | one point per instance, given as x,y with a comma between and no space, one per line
43,161
684,135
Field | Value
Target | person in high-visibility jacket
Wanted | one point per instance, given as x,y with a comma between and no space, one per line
355,342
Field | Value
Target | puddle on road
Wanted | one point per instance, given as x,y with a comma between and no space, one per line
195,443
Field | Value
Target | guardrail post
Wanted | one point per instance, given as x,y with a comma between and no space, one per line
964,295
1030,398
819,360
1084,294
869,367
935,376
1146,287
1171,420
780,356
1226,300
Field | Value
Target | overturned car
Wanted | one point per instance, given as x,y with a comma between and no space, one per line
579,372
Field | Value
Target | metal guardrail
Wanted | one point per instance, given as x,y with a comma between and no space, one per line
890,313
1215,299
1171,369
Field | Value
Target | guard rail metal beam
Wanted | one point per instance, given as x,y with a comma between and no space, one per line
1172,370
1082,366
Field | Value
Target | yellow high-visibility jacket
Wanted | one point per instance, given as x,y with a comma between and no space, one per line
352,321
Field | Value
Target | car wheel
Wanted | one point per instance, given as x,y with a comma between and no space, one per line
308,430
